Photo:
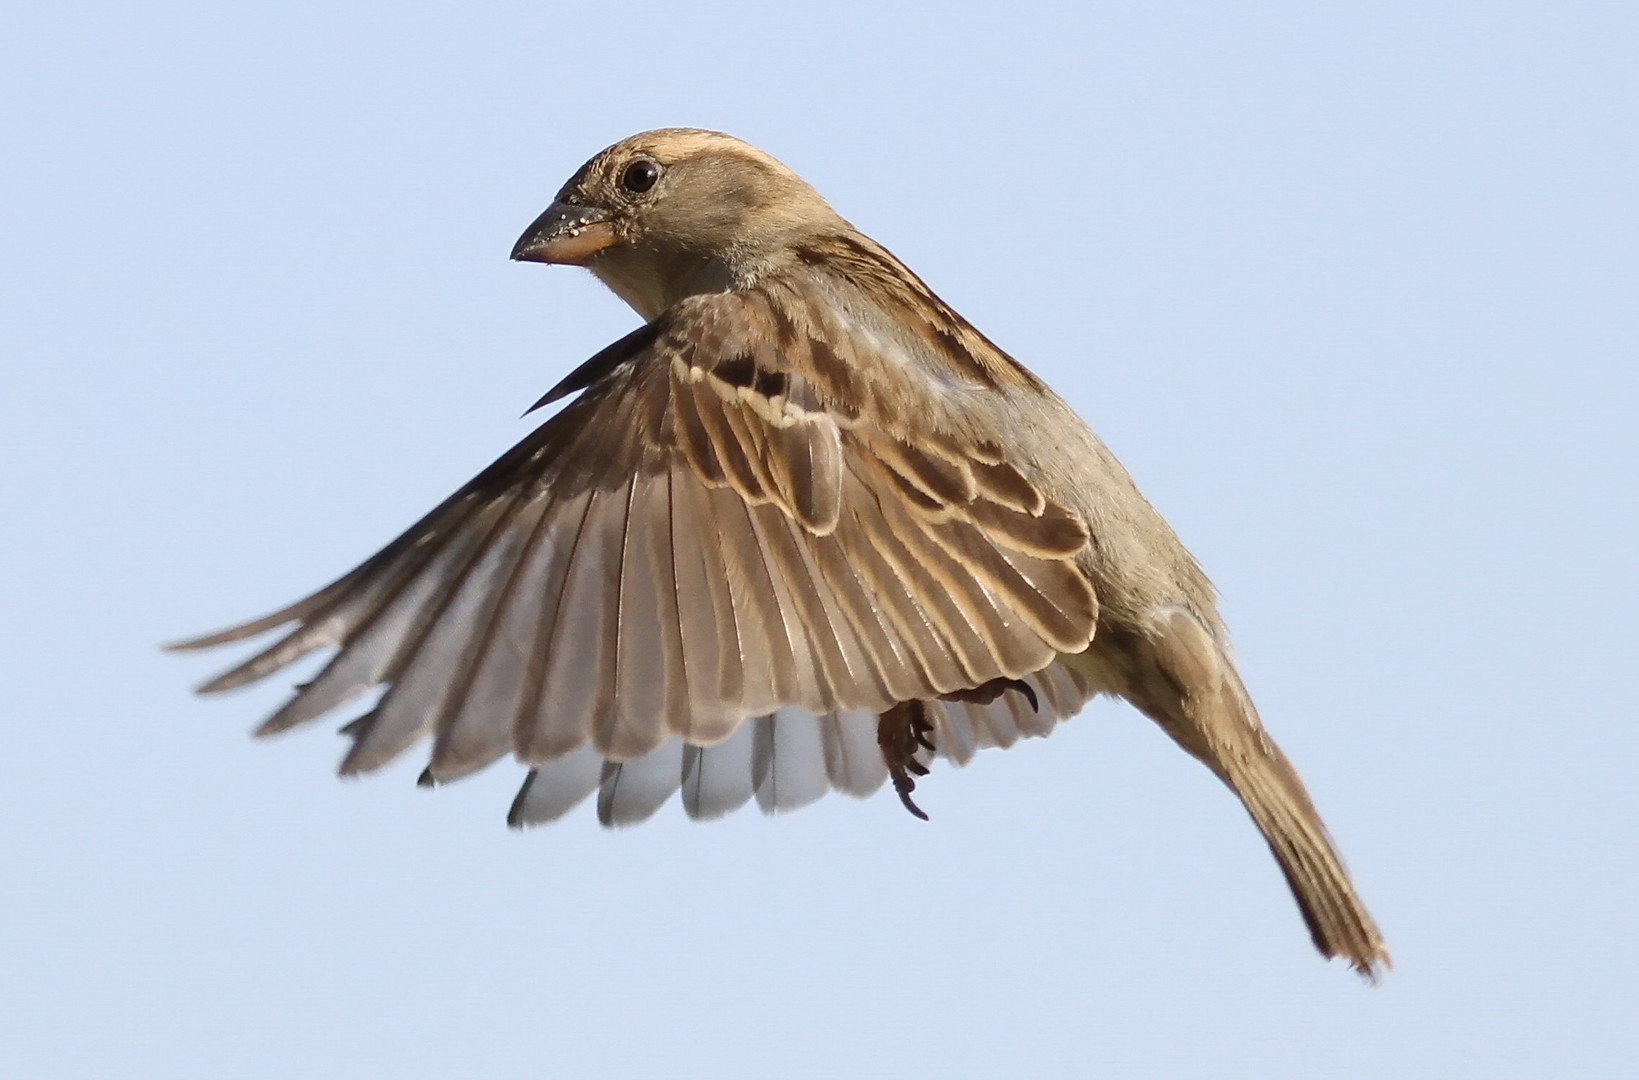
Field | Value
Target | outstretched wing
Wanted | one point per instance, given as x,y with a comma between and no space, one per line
726,524
789,758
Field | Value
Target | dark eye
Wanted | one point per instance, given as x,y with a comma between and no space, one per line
640,176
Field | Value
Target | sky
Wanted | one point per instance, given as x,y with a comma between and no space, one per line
1349,288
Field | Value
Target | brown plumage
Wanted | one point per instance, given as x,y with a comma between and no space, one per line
804,529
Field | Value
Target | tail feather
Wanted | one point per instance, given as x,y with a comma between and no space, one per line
1338,921
1191,689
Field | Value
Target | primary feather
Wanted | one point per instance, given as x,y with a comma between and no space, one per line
801,531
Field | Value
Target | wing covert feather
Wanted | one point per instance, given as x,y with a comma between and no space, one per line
731,523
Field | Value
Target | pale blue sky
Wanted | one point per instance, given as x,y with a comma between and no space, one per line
1350,288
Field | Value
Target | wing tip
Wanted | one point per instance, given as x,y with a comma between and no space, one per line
229,634
232,679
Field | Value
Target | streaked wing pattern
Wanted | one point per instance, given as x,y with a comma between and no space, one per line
709,572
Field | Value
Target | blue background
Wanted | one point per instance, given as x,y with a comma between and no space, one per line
1350,288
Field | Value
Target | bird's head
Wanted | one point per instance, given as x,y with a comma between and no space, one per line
674,212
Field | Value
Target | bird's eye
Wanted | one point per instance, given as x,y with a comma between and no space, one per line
640,176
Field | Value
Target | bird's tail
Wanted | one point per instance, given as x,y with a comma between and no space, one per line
1199,700
1338,921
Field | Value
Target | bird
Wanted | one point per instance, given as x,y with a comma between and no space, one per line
805,529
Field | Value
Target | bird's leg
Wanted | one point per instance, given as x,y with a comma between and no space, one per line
986,692
901,732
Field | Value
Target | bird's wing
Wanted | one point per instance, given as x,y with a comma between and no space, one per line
724,525
789,758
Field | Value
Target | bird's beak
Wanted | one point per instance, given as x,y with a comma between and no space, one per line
565,234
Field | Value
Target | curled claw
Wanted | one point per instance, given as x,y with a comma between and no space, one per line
901,732
904,785
986,692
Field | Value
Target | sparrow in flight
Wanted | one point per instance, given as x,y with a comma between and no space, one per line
805,529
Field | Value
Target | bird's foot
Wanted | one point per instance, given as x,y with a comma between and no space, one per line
901,732
986,692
